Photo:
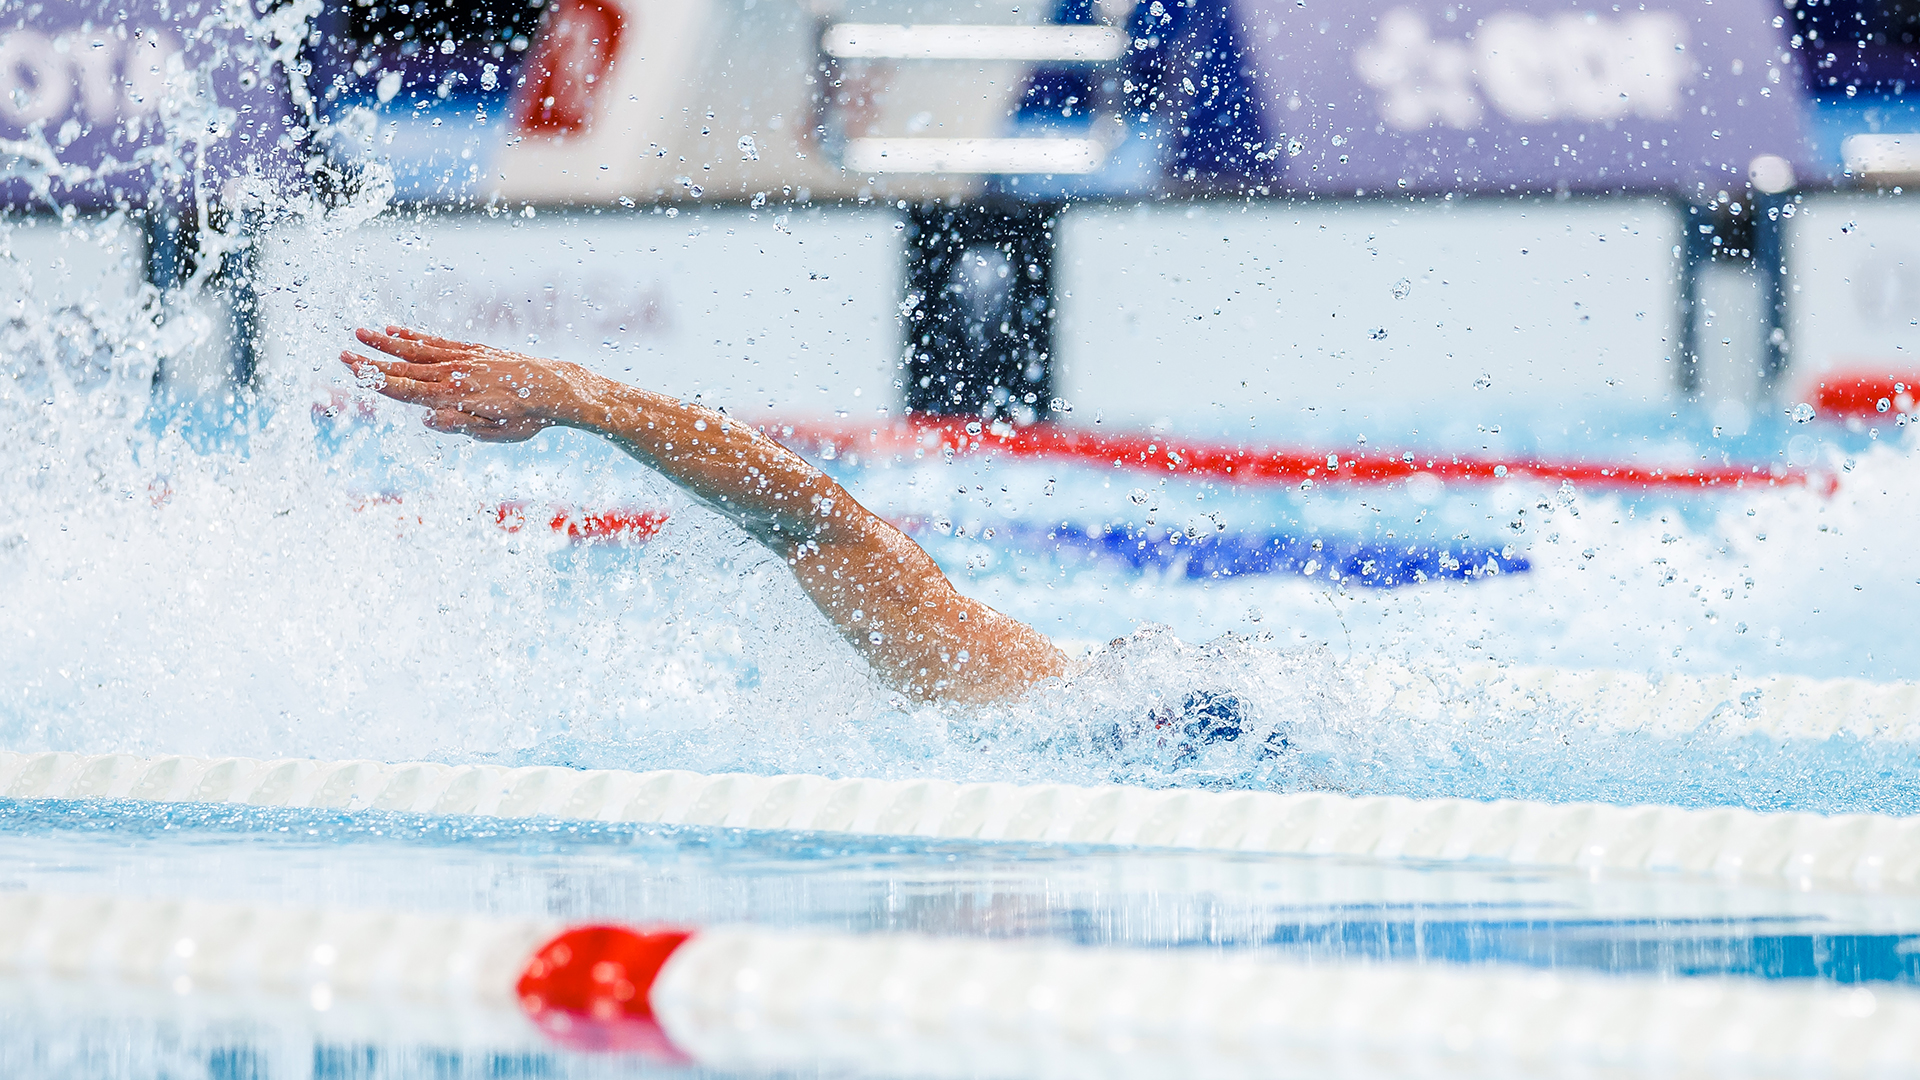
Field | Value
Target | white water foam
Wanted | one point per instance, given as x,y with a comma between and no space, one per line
260,591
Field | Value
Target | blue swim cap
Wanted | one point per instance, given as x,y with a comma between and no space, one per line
1204,718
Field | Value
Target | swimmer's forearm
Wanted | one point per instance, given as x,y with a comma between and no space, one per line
753,480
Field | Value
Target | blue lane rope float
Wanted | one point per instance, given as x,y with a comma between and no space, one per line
1374,564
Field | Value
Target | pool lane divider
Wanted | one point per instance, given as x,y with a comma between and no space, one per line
1849,851
1374,564
348,974
620,524
1243,464
1868,395
1155,453
752,999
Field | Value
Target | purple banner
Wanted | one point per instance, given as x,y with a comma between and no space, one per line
90,91
1384,95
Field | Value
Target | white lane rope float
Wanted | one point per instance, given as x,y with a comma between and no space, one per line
1778,706
1854,851
350,975
738,998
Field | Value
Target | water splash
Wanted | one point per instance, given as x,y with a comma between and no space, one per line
157,598
333,583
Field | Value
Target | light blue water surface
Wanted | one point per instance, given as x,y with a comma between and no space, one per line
1309,908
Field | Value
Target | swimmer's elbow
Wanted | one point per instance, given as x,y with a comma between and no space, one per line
987,674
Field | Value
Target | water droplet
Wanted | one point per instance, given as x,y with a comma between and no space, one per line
1402,289
1802,413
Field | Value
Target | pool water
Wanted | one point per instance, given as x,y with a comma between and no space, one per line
163,600
337,585
1315,908
322,577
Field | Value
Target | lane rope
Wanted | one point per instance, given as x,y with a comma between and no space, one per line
1868,395
1775,706
1375,564
1857,851
1053,441
353,975
889,1005
752,999
917,436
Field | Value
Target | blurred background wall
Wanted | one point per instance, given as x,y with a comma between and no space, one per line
1245,217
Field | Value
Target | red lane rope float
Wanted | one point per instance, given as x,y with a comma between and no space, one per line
1241,464
1244,464
590,988
619,523
1867,393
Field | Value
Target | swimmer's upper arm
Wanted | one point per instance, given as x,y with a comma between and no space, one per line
878,588
890,599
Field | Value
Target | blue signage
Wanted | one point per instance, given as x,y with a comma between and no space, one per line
1517,95
110,102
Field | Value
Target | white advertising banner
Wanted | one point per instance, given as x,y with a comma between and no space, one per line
51,264
794,314
1302,320
73,309
1853,298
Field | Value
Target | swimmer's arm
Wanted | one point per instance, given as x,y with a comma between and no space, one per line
878,588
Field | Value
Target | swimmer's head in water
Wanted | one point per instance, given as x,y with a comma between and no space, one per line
1204,718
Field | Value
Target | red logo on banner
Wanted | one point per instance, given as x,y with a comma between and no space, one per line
576,51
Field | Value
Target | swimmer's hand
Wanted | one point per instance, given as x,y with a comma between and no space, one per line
490,394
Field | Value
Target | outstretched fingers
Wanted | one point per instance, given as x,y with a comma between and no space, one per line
399,368
398,380
364,367
415,351
411,334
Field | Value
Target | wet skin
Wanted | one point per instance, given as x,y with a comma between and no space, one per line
878,588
